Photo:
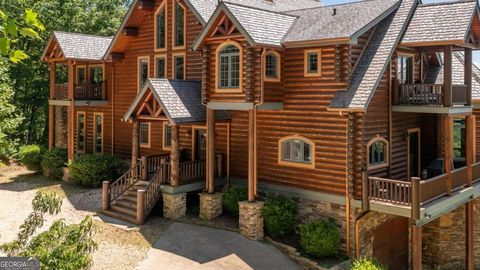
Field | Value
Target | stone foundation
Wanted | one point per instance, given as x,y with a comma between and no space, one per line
174,205
210,205
444,240
251,220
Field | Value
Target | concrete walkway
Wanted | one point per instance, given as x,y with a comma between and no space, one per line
192,247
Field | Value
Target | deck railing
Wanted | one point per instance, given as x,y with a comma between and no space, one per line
416,192
90,91
192,170
146,199
61,91
154,163
83,91
421,94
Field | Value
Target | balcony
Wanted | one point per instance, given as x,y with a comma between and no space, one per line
417,198
82,92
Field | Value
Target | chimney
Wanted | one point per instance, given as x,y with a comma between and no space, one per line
334,12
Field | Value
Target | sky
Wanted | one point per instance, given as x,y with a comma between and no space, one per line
476,55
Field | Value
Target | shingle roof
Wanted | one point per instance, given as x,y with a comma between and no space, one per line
450,20
207,7
349,19
81,46
434,74
179,99
263,27
372,64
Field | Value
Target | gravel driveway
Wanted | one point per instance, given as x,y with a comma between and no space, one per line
117,248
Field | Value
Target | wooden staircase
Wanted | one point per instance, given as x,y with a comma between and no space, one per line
132,197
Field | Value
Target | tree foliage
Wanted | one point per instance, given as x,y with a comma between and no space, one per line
24,86
62,246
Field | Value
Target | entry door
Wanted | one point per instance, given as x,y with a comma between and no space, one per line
413,153
390,244
200,152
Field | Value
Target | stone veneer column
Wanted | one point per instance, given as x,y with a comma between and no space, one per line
210,205
251,220
174,205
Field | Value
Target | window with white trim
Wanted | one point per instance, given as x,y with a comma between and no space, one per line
313,62
160,37
179,26
167,136
144,134
160,67
272,66
81,132
179,66
98,133
143,70
229,67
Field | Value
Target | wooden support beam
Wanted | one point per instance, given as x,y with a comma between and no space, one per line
468,74
51,109
416,246
130,31
135,142
175,157
447,77
71,110
448,150
365,192
469,236
211,151
469,150
415,198
251,167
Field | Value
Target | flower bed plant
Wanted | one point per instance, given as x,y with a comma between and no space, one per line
279,215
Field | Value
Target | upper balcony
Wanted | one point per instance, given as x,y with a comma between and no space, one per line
82,92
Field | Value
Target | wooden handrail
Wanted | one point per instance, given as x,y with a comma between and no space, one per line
152,193
125,182
154,162
192,170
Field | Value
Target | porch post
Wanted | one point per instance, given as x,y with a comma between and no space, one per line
448,150
135,142
211,151
469,236
71,112
468,74
416,246
51,109
251,162
469,150
175,157
447,77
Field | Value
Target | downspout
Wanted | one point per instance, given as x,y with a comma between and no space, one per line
255,107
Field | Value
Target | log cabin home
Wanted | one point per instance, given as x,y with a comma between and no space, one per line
366,112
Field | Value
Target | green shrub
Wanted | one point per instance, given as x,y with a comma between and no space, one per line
367,264
232,196
279,215
319,238
53,162
31,156
91,170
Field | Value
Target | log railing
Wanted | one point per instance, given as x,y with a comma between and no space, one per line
154,162
192,170
390,191
125,182
61,91
146,199
421,94
90,91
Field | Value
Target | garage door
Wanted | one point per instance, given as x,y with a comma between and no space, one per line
390,244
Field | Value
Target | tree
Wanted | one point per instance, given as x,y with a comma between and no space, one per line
62,246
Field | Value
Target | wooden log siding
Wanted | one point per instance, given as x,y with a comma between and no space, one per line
126,75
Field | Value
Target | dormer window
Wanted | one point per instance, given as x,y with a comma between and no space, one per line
272,66
229,64
313,66
160,29
179,26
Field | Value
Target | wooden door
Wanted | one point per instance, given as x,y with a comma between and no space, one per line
390,244
200,144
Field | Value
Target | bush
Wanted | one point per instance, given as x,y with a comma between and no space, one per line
232,196
367,264
53,162
319,238
92,170
31,156
279,214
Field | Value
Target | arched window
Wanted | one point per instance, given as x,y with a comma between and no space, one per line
272,66
160,29
229,66
296,151
179,26
377,150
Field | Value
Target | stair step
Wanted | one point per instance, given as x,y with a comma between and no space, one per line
120,216
131,198
126,203
125,210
